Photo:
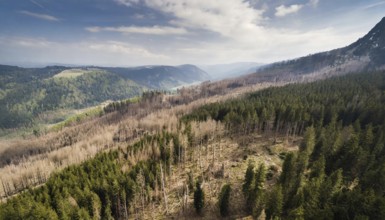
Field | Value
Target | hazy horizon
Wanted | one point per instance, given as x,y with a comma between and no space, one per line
174,32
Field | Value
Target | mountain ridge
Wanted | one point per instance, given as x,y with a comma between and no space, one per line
365,54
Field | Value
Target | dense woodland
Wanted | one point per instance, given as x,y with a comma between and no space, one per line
339,170
337,173
102,187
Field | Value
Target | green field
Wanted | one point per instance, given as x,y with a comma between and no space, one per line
73,73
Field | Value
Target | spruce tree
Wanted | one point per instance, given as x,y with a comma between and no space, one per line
309,141
274,203
258,193
199,198
224,199
249,175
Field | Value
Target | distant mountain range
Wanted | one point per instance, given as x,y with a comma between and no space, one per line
366,54
230,70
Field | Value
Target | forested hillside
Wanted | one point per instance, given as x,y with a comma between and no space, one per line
337,172
104,187
26,93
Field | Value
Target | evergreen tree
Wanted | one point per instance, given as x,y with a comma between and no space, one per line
309,141
249,176
199,198
224,199
288,170
274,203
255,198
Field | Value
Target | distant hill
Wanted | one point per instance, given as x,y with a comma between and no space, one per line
230,70
14,74
162,77
27,92
366,54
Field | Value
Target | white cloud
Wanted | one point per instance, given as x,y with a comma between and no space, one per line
313,3
127,2
283,45
139,16
282,10
374,5
40,16
155,30
37,4
243,34
228,18
27,42
88,52
123,48
214,31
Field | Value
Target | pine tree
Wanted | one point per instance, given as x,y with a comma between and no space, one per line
255,193
274,203
249,176
309,141
288,170
199,198
318,169
258,192
224,199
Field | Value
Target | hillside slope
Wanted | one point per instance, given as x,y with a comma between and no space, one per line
366,54
25,93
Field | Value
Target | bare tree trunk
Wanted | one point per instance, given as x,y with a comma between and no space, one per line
220,151
179,154
200,159
163,188
4,189
135,208
214,155
185,196
125,208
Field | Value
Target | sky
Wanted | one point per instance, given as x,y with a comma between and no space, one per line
173,32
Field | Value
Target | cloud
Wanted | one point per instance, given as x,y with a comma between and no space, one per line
27,42
234,30
40,16
198,31
282,10
228,18
154,30
127,2
313,3
36,3
123,48
87,52
139,16
282,45
374,5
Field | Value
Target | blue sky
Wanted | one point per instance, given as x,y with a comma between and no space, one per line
144,32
